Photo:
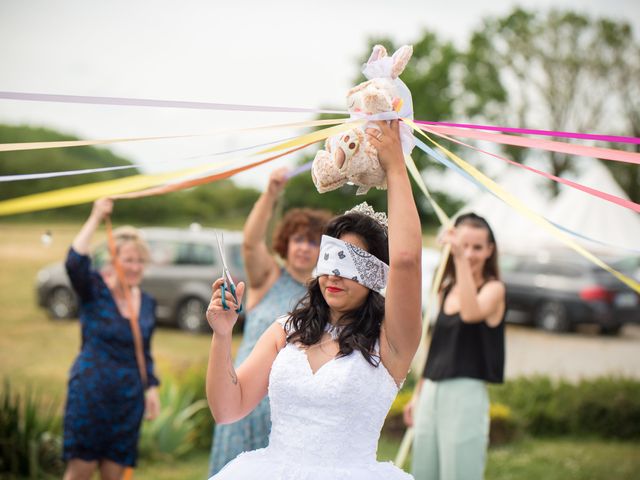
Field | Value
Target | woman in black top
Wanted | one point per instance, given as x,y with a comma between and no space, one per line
451,404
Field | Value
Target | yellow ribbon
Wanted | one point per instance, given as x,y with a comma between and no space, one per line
89,192
521,208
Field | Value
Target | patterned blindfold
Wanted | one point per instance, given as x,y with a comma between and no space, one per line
348,261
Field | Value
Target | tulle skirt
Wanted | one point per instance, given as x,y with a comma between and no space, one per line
262,464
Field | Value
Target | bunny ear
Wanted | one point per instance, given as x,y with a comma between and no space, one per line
378,52
400,60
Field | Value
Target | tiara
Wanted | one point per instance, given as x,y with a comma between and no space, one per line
365,209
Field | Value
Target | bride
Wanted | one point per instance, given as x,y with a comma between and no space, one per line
334,365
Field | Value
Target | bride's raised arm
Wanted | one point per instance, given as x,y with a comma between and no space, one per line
401,327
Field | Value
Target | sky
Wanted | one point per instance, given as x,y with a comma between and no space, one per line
280,53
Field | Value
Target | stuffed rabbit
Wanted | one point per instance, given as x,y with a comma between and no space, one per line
349,157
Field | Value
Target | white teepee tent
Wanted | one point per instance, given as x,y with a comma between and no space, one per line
511,229
615,230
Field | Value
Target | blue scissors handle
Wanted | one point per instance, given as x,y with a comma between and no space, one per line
232,289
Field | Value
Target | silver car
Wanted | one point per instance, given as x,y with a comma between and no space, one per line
183,265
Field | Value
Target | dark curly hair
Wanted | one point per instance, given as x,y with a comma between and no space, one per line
308,221
362,325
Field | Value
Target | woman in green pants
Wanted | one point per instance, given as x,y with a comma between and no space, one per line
450,407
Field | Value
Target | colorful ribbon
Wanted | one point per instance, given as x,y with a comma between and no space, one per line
12,147
623,202
549,133
560,147
447,163
67,173
89,192
526,211
147,102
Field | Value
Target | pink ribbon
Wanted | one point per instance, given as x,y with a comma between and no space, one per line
591,191
549,133
561,147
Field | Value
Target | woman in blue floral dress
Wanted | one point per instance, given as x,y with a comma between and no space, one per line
273,291
106,398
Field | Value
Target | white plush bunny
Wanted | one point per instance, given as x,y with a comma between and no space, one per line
349,157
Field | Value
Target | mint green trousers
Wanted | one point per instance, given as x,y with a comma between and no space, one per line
451,430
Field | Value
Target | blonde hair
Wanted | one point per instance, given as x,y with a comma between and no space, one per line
129,234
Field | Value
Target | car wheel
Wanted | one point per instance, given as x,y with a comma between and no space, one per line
61,303
552,316
191,316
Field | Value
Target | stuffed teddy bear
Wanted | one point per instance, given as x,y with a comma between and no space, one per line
349,157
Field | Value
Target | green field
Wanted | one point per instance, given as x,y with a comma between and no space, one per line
38,352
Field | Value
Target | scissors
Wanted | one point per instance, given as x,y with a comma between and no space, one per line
227,283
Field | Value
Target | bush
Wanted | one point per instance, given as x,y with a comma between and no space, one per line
173,434
194,378
605,407
538,402
30,435
394,423
504,427
608,407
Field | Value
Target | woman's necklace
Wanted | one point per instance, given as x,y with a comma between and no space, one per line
334,332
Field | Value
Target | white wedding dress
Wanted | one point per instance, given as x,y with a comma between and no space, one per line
325,425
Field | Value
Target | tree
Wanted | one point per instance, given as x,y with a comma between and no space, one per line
559,71
221,201
628,86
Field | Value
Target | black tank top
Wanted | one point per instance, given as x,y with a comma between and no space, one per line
471,350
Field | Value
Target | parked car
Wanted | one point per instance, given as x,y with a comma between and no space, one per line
558,292
183,265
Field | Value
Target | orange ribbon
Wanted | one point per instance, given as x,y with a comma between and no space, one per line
133,313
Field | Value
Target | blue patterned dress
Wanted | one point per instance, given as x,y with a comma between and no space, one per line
105,398
252,432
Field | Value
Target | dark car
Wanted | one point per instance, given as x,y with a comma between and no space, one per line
183,265
558,292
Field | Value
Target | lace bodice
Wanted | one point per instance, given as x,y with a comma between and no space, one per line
325,426
334,415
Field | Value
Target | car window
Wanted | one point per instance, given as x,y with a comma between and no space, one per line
194,254
509,263
181,253
627,265
552,268
234,253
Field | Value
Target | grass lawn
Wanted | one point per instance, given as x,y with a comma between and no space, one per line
38,352
530,459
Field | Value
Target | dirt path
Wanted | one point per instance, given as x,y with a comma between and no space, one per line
572,356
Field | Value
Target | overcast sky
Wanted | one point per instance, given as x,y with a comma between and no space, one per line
284,53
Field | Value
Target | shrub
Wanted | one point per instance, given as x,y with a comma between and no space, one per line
173,433
605,407
394,423
30,440
504,427
608,407
194,378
